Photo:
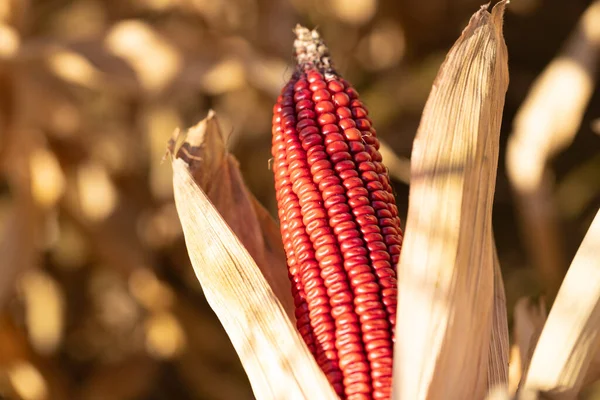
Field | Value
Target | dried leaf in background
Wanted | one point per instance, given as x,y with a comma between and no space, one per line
446,270
278,363
545,125
17,246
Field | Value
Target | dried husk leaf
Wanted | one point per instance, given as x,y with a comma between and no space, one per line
593,372
278,363
498,393
217,173
446,270
529,318
570,336
499,344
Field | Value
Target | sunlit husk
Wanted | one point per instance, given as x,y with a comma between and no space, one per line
446,270
278,363
573,323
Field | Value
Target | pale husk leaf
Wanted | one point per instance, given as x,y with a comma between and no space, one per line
276,359
446,270
569,339
498,393
216,171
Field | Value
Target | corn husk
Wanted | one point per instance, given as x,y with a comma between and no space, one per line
446,270
568,342
217,173
499,345
529,317
274,356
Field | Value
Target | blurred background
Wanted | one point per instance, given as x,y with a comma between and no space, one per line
98,298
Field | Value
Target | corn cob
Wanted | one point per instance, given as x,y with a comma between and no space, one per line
339,224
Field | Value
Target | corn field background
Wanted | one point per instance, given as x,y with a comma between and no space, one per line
98,297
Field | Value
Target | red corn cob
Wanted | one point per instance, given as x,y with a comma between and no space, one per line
339,224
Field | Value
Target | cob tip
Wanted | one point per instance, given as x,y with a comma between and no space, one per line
310,50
